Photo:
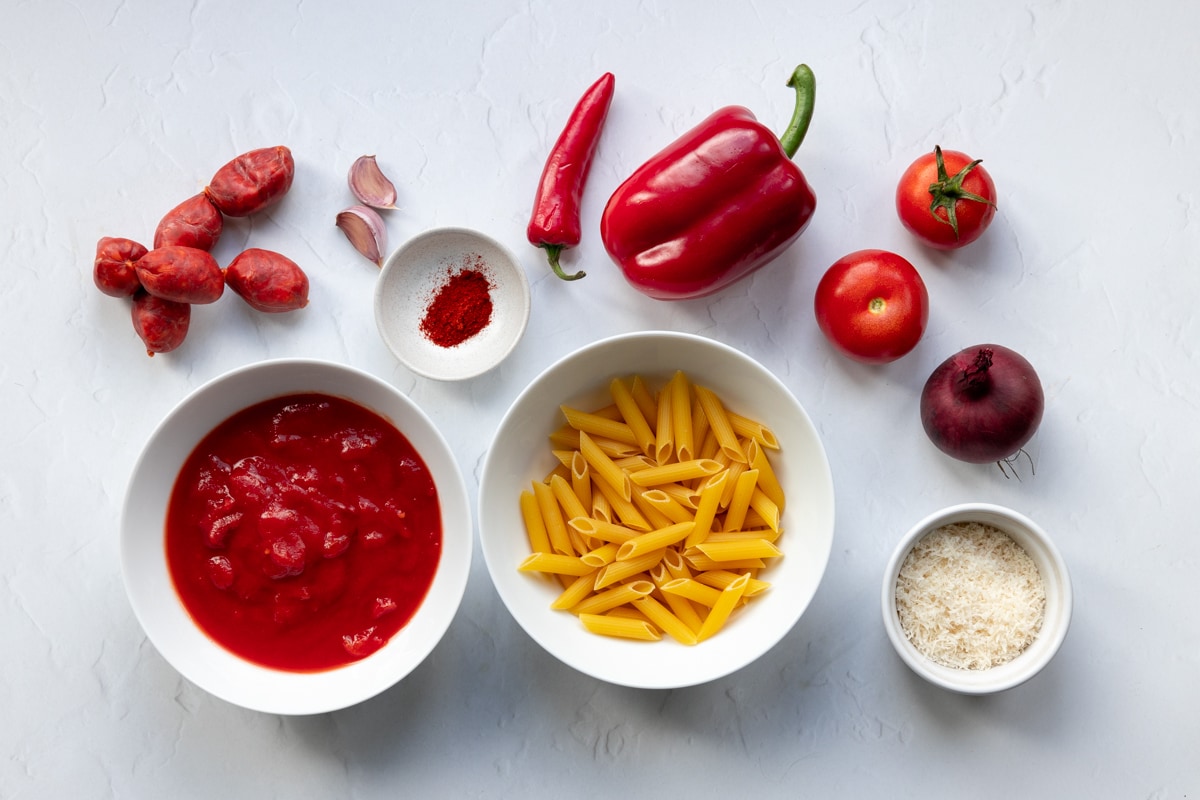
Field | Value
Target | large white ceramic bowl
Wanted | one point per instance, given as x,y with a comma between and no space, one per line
1035,541
152,593
521,453
411,278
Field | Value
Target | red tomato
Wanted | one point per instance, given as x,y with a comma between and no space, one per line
946,199
872,306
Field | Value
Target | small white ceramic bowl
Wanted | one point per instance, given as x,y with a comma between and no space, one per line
520,453
410,279
151,590
1055,577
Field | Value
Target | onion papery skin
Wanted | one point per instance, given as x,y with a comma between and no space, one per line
983,404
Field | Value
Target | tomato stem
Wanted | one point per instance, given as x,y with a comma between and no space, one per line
948,191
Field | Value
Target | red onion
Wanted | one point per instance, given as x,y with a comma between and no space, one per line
982,404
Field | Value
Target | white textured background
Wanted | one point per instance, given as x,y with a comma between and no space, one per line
1086,114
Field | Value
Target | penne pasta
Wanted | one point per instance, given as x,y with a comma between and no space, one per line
752,429
693,590
658,514
720,423
623,509
608,472
555,563
535,527
619,571
581,479
665,620
664,437
764,506
596,425
720,578
731,595
768,481
603,530
556,527
621,627
575,592
566,497
667,505
632,415
706,511
681,416
617,596
739,501
676,472
739,550
645,401
654,541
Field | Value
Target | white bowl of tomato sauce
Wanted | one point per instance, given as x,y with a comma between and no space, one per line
296,536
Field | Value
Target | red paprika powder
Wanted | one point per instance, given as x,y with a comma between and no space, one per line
461,307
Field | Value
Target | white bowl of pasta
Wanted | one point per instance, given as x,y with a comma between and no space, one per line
656,510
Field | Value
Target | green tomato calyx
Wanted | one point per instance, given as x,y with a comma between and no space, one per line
947,191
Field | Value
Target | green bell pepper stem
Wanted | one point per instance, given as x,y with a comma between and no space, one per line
805,84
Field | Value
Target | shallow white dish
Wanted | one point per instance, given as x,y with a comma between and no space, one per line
1059,601
152,593
409,280
520,453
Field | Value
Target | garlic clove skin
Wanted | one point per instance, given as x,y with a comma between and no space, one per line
365,229
370,185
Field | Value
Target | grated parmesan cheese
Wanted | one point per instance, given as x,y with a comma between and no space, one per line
969,597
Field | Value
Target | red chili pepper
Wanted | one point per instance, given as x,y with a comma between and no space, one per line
555,222
718,203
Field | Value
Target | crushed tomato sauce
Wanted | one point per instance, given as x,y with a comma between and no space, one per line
303,532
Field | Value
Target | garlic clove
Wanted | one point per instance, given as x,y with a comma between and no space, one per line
365,229
370,185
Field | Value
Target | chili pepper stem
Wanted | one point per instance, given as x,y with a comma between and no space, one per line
553,251
805,84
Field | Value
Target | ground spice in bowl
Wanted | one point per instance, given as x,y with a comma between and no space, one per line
461,307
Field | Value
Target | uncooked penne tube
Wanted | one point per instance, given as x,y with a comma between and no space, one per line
706,511
739,550
666,620
720,578
768,480
676,472
608,472
731,595
753,429
604,530
535,527
556,527
555,563
623,570
664,437
621,627
566,497
681,416
720,423
654,540
575,593
617,596
596,425
632,414
693,590
581,479
667,505
739,501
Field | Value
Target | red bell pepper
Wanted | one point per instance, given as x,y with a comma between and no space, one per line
717,204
